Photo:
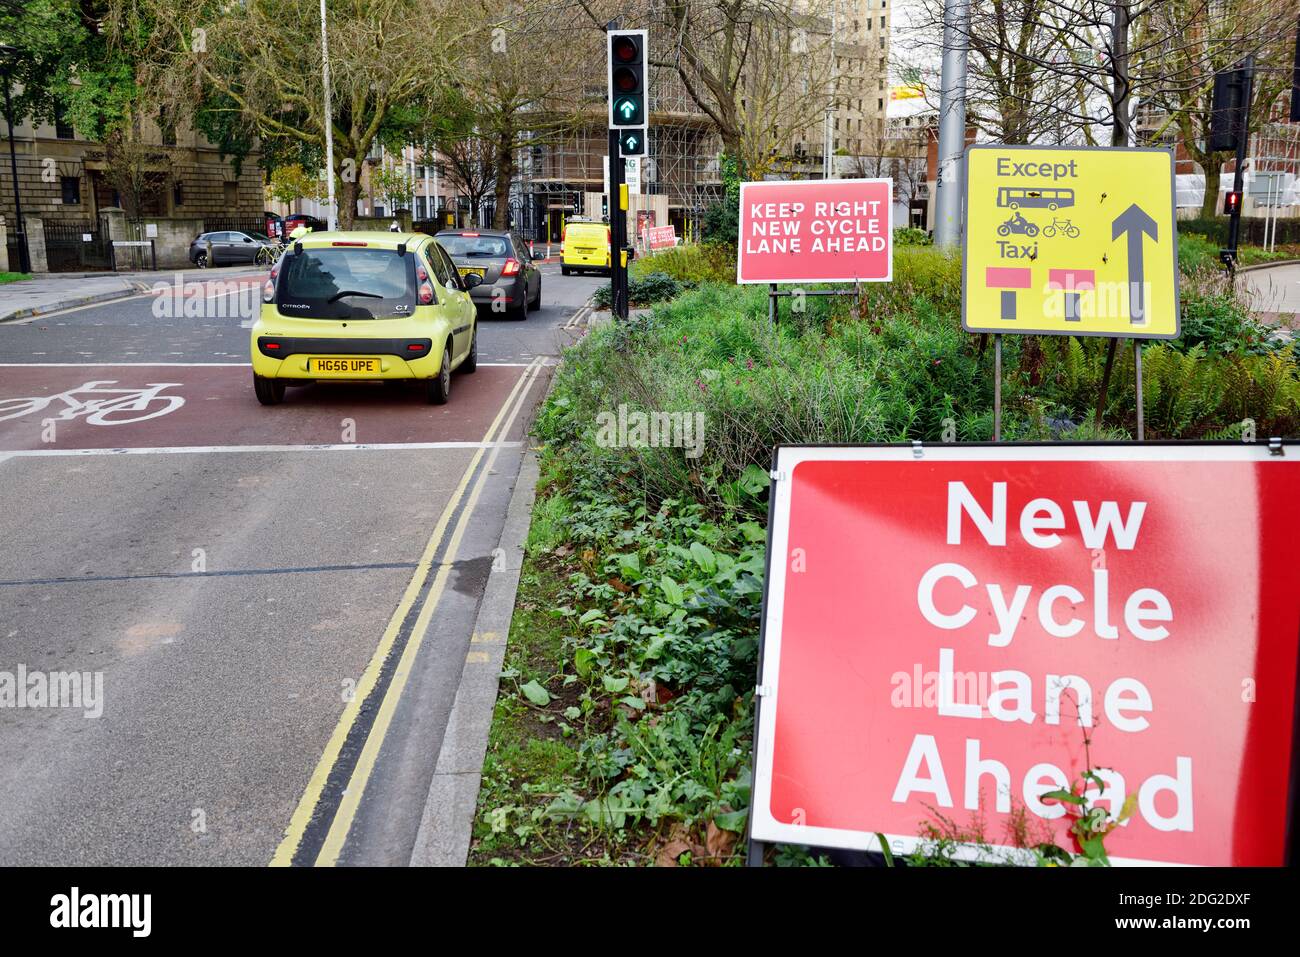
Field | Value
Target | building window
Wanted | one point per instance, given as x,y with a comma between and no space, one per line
166,128
882,23
62,128
230,193
880,104
71,190
178,194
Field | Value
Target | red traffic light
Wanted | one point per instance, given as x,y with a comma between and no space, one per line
624,49
1231,202
625,80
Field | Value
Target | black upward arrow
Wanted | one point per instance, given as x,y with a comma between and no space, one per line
1134,221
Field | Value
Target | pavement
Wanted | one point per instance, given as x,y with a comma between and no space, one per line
295,612
53,292
1273,292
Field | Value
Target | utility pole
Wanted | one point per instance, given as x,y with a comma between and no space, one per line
24,255
828,136
952,123
331,214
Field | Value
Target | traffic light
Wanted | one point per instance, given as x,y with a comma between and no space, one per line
1229,108
1231,202
631,142
627,87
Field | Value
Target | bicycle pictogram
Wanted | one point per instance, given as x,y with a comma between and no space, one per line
1063,225
97,404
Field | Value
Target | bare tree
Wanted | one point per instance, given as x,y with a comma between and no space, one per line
471,168
1077,70
758,69
1211,43
519,82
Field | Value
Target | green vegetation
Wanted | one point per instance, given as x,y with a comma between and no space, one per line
622,732
14,277
1201,239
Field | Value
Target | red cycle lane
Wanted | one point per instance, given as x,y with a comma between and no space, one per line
50,407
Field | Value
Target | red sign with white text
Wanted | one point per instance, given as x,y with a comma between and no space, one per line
942,633
661,237
815,231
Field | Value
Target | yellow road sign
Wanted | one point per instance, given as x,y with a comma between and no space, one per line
1070,241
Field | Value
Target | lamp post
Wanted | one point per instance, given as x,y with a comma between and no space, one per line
332,213
24,257
952,123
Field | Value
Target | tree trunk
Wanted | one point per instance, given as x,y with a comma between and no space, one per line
347,200
1210,204
505,164
1120,93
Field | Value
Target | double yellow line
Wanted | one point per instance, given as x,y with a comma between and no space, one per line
345,814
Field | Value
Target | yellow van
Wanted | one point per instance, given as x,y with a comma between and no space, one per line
586,246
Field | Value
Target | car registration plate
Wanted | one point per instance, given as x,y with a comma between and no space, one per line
465,271
333,365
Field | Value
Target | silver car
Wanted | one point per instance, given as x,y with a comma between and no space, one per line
225,247
511,283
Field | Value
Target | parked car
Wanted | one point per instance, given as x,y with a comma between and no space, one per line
225,247
294,220
364,306
585,246
508,279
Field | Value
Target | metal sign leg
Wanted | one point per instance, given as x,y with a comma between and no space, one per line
997,388
1137,365
771,303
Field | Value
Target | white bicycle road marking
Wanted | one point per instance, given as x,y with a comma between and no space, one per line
99,405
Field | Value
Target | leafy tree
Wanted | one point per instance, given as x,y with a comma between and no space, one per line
255,69
67,63
290,183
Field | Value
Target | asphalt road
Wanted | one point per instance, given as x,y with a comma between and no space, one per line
277,601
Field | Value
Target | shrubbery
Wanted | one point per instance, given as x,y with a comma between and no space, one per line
656,557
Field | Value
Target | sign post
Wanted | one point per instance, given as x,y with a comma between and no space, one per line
960,630
814,231
1070,241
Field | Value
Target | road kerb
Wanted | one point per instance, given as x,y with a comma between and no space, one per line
62,304
448,818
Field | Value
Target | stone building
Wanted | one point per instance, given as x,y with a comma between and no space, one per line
64,184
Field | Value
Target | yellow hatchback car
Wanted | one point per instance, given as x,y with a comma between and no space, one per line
364,306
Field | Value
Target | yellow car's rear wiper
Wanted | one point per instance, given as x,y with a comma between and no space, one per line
354,292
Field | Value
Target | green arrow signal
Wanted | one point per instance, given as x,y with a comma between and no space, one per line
627,108
632,141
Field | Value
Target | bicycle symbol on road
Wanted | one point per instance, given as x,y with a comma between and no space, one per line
99,405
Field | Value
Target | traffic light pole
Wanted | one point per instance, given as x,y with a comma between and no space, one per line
617,232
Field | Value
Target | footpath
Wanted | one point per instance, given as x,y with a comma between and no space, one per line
52,292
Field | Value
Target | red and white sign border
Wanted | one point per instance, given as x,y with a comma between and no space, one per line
889,232
762,825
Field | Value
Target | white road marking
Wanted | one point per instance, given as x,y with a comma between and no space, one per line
188,449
